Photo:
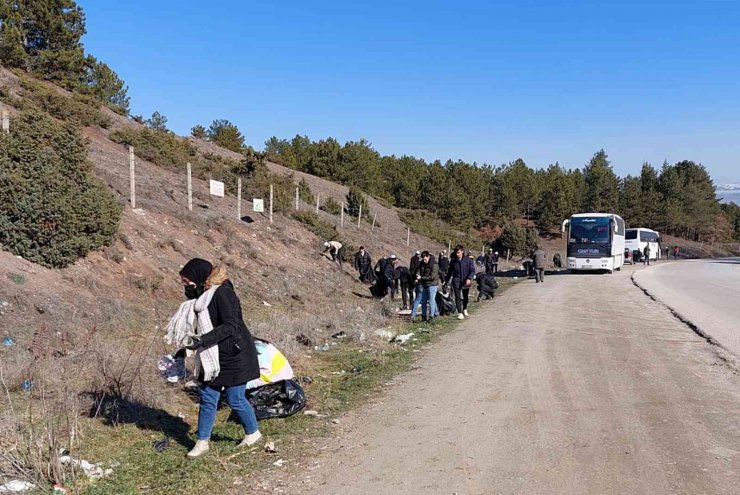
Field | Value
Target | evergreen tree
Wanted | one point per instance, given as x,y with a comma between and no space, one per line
559,199
198,132
602,185
105,84
227,135
630,202
157,122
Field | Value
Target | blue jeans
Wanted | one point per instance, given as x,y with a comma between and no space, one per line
419,289
430,294
237,401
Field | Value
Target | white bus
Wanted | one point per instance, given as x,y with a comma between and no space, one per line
595,241
637,239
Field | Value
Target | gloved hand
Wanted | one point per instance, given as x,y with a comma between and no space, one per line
194,343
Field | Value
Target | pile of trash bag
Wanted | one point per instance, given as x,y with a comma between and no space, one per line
274,394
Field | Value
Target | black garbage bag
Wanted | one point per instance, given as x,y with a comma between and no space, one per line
445,304
277,400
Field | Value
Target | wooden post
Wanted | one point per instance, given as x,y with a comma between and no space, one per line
449,246
239,198
374,217
508,252
341,217
271,194
359,217
5,119
296,198
317,203
132,175
408,235
190,187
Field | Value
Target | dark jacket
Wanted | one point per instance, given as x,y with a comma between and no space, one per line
362,261
403,275
538,257
236,351
460,270
414,263
489,261
444,263
429,273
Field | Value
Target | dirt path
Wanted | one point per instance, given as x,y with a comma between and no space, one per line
579,385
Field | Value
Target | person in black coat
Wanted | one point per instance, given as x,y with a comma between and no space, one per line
363,264
237,354
443,261
405,282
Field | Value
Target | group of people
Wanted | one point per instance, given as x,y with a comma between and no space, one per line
419,282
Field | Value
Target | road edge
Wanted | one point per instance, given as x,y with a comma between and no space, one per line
730,359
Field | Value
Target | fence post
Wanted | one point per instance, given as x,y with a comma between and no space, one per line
408,235
449,246
5,119
239,198
374,217
271,193
507,254
317,203
296,198
190,187
132,175
359,217
341,217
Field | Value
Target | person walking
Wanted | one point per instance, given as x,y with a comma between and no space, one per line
363,263
495,262
333,247
646,255
538,261
461,274
210,323
426,278
676,252
390,285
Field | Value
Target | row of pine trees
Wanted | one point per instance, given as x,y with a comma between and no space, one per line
678,199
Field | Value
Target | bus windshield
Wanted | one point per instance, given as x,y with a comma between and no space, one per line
590,230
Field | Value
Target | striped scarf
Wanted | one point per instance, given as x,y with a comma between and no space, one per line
192,318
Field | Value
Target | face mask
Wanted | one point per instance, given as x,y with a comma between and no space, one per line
193,291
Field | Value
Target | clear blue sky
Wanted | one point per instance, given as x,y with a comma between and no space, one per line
481,81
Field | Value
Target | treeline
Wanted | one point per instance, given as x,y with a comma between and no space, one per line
43,38
678,199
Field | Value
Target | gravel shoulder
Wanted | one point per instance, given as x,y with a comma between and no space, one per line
578,385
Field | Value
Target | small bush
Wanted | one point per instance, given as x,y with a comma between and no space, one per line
78,109
315,224
356,201
305,193
59,212
331,206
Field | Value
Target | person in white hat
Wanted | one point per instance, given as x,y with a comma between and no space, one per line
333,247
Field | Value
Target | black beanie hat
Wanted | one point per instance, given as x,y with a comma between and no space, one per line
197,270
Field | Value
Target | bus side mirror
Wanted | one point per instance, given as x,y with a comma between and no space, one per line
616,227
565,224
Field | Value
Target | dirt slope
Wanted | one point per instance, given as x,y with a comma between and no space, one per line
126,291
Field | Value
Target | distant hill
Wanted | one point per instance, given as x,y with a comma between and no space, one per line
729,193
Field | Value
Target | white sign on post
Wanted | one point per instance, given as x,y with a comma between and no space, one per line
217,188
258,205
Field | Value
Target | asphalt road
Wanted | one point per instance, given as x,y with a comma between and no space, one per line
704,292
580,385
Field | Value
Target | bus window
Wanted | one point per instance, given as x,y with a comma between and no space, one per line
631,235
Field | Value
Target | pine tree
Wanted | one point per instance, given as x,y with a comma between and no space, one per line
198,132
602,185
157,121
227,135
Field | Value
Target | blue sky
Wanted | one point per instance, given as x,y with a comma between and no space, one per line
480,81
